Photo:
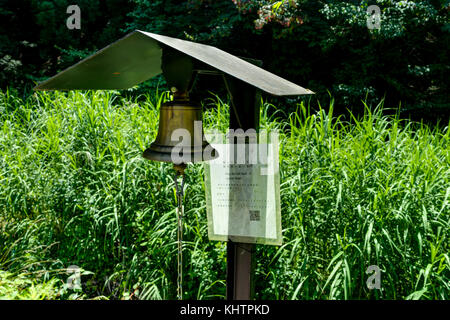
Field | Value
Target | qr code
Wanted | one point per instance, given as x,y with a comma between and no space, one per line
254,215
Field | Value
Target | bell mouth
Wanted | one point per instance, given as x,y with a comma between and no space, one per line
180,138
180,155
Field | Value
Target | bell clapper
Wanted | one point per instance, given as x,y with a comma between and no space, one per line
179,168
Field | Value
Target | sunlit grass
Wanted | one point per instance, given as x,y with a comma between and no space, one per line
74,190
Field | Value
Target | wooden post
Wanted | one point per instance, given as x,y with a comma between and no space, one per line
244,114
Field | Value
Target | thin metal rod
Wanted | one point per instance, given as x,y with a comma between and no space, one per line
179,192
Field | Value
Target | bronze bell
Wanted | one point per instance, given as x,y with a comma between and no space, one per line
180,137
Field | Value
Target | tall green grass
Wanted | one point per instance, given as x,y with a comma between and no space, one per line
74,190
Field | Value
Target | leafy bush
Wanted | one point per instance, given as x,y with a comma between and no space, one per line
34,33
327,44
22,287
322,45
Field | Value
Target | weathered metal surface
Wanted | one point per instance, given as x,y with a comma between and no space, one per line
121,65
192,147
137,57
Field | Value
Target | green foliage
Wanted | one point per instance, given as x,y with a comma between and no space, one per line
75,190
322,45
405,58
336,49
361,193
196,20
21,287
34,33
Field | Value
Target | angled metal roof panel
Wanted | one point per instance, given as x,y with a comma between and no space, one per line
121,65
137,57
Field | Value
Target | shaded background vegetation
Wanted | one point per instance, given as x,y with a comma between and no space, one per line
322,45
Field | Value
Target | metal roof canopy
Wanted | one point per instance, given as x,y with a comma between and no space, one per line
138,56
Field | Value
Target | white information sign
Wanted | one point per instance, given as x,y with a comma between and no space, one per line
243,195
